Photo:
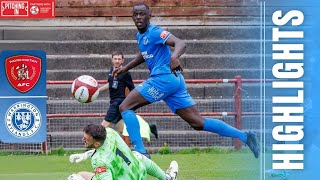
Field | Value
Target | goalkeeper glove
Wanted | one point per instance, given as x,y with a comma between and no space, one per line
75,177
81,157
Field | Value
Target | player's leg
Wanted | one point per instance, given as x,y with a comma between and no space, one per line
154,130
120,128
132,102
192,116
105,123
154,170
152,90
127,140
144,128
113,115
182,104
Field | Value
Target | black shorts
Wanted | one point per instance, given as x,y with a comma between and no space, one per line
113,114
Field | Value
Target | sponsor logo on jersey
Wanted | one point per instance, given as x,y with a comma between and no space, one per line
23,119
164,34
145,40
23,71
154,93
146,55
100,170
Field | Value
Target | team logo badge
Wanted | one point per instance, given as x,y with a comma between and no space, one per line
23,119
164,34
34,10
145,40
23,71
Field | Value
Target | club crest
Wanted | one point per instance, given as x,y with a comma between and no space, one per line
23,71
145,40
23,119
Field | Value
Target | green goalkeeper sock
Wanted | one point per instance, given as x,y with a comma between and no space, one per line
153,169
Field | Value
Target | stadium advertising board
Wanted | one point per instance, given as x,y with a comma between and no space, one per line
27,9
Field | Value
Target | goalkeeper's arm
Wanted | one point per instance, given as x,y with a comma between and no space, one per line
81,157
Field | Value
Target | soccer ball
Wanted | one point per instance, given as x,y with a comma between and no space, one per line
85,89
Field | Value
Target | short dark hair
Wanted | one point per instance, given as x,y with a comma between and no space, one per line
117,53
98,132
141,4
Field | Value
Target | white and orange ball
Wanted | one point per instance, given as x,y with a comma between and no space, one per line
85,89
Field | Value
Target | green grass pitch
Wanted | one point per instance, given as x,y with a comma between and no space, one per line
206,166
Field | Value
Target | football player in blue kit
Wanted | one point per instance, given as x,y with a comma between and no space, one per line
166,83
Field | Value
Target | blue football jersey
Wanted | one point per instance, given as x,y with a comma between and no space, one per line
155,52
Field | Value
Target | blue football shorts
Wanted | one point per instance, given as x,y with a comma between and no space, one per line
167,87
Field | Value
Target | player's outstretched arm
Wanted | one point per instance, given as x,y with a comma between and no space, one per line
133,63
81,157
104,87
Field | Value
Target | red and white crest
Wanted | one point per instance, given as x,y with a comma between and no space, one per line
23,71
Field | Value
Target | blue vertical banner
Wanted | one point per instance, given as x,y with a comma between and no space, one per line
22,96
312,113
292,45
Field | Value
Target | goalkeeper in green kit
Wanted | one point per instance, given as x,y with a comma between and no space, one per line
111,158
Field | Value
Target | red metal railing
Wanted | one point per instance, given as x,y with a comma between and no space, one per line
237,109
237,101
140,81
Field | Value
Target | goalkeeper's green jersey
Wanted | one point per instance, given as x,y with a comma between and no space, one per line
115,160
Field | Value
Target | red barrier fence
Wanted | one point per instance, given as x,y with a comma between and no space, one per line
208,81
237,102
